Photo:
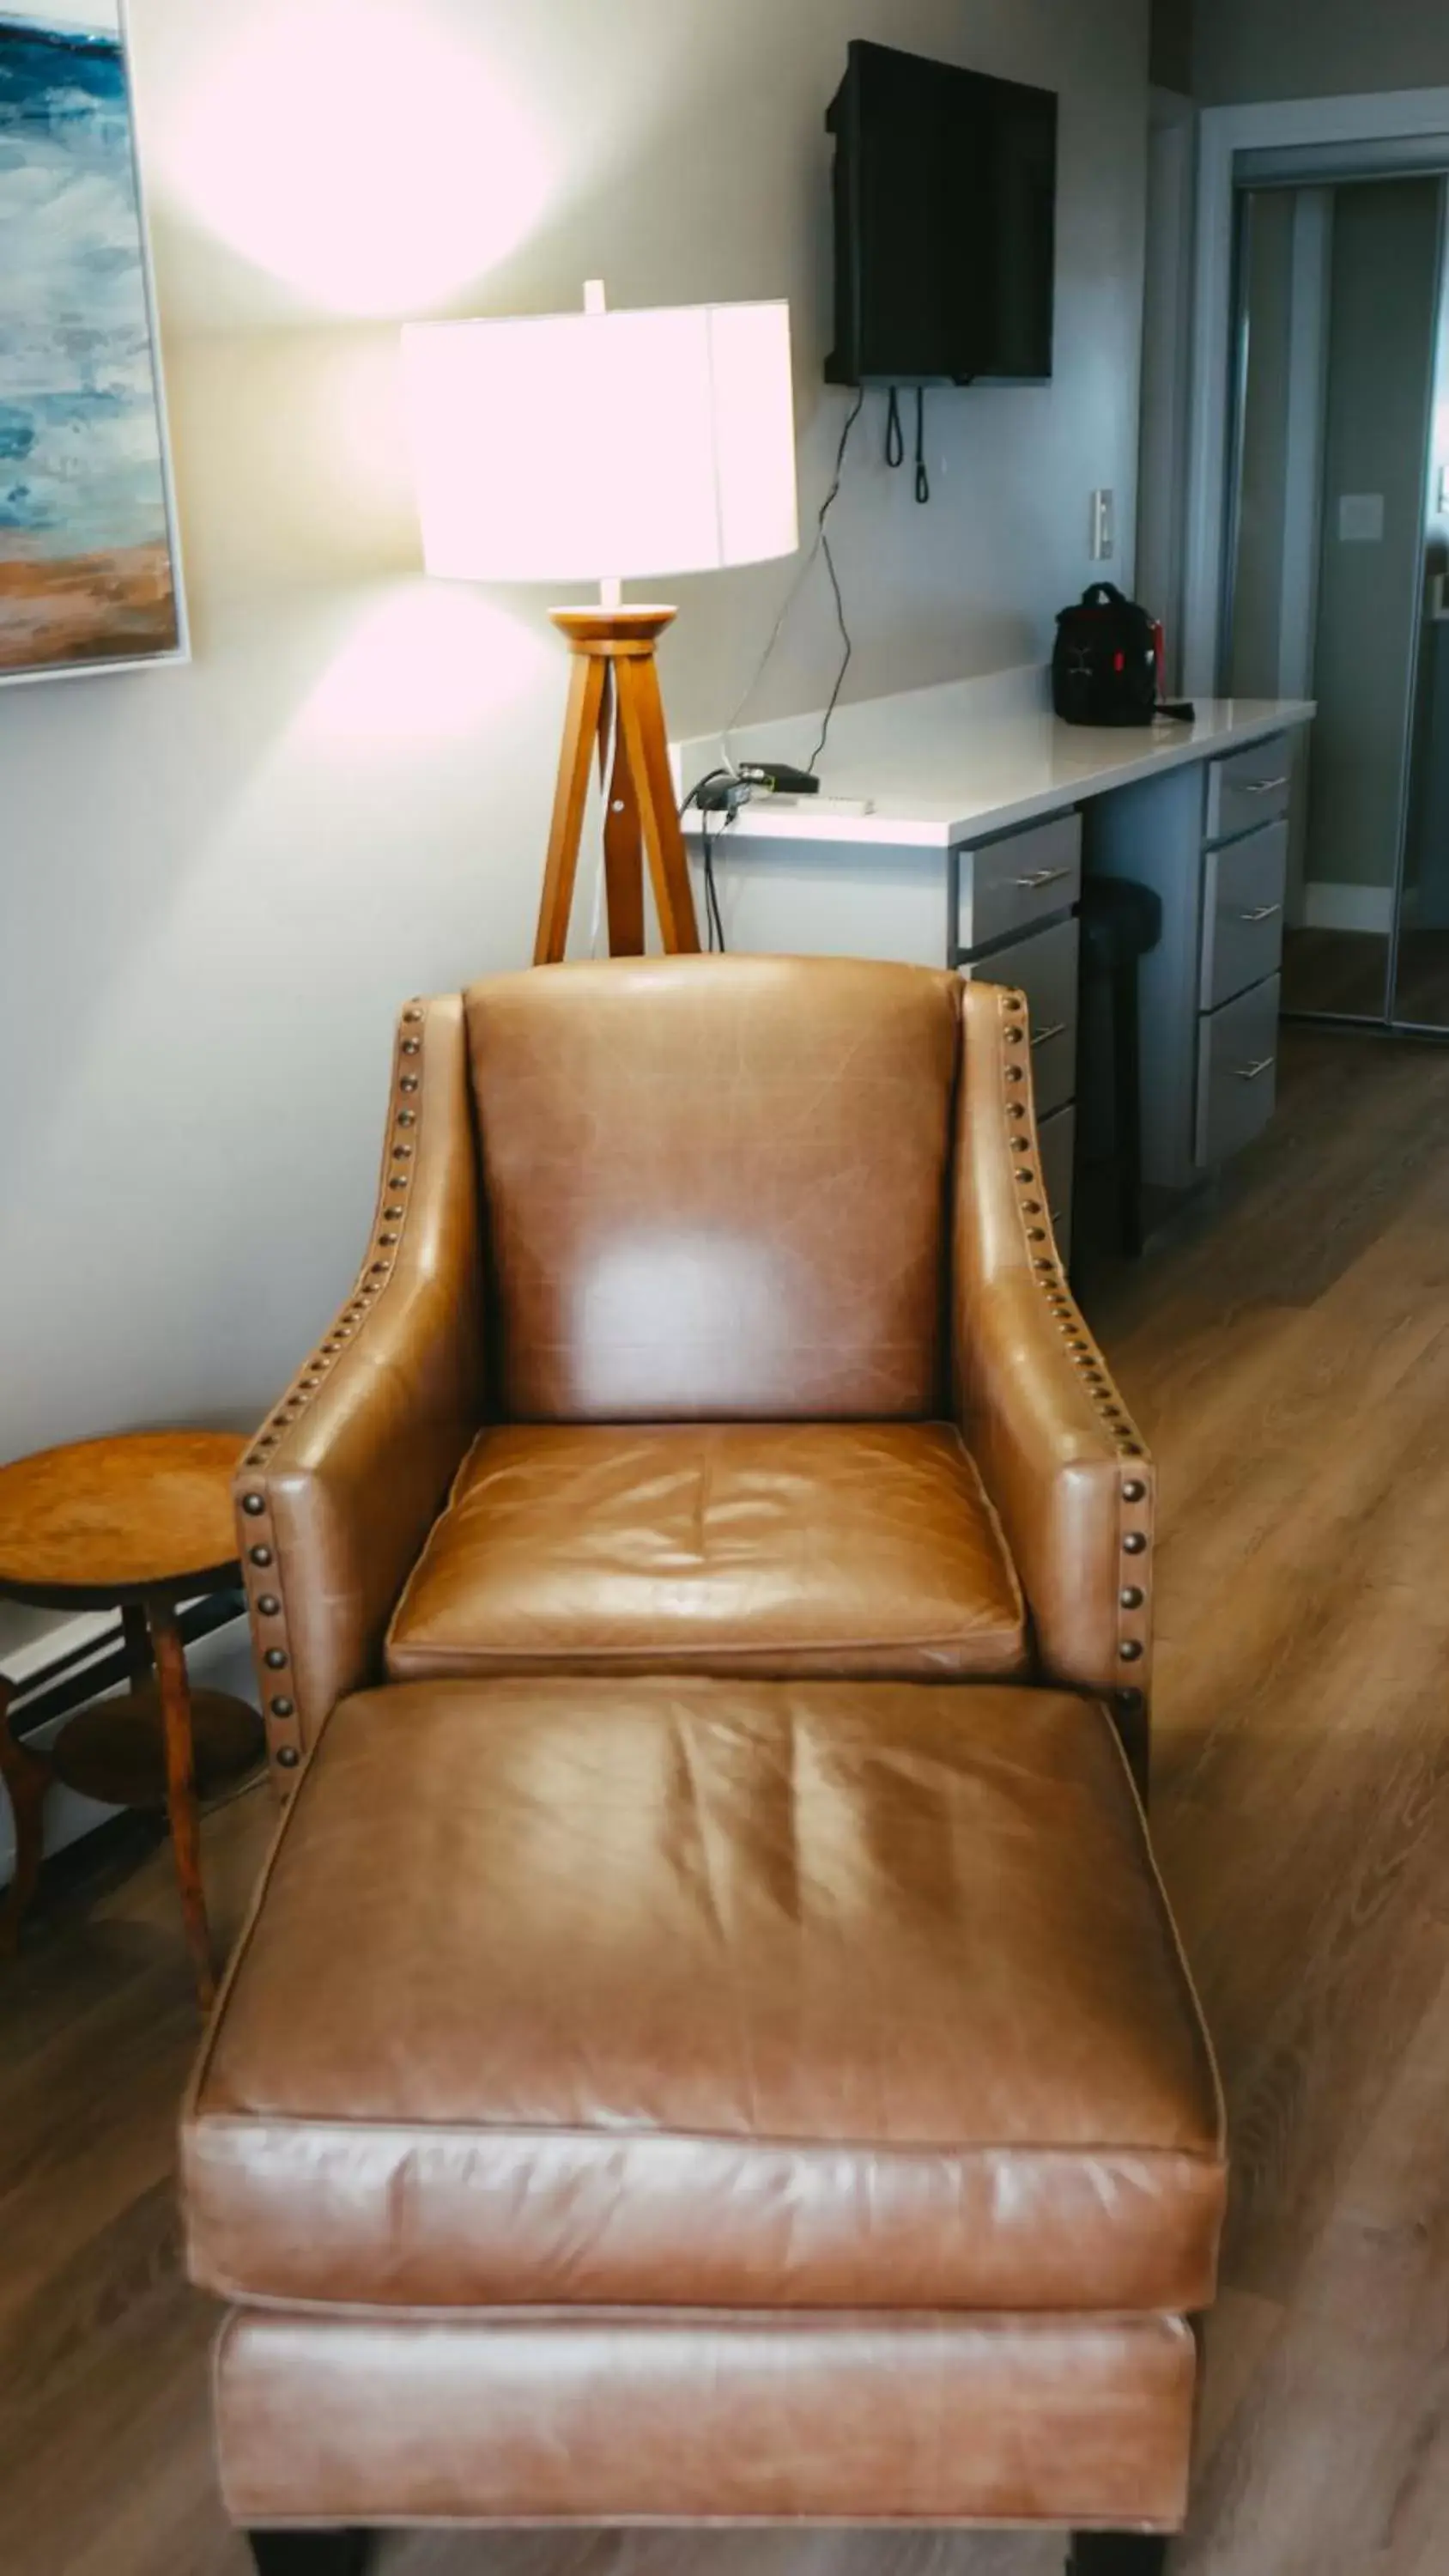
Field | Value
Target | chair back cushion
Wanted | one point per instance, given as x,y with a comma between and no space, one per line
717,1188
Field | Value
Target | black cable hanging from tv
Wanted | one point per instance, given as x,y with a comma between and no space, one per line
895,445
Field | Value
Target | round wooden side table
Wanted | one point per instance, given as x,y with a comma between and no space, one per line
135,1524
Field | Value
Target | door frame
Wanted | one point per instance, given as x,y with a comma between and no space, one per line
1390,117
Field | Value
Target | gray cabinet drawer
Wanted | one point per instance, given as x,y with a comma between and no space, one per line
1253,787
1058,1137
1006,886
1046,968
1237,1090
1243,914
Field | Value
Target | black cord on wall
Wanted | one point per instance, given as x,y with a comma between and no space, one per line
827,505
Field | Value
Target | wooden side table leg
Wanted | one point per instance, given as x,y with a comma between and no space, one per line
27,1777
181,1804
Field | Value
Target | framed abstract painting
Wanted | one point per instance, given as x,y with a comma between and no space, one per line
90,575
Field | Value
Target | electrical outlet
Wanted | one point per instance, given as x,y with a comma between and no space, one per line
1104,526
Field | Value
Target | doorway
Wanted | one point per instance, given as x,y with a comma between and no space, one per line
1338,546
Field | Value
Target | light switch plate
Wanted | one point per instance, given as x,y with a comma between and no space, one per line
1361,519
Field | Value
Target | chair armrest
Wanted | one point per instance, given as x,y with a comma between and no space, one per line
1063,1462
339,1490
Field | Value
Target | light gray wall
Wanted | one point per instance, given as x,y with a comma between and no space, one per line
1381,357
1256,49
218,884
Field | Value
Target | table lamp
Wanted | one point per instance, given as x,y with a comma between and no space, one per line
609,447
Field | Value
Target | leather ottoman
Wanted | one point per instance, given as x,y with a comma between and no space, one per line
708,2101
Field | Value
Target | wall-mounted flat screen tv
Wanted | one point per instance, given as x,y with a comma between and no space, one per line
945,201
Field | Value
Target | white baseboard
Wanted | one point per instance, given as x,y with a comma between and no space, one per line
1348,907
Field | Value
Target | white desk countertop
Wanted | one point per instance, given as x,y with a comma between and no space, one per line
948,765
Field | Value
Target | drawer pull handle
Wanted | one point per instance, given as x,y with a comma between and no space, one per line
1044,1037
1265,912
1045,877
1263,786
1255,1072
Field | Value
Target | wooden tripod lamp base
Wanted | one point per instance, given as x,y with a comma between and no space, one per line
616,714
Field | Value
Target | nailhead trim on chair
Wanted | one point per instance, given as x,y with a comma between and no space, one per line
266,1599
1134,1601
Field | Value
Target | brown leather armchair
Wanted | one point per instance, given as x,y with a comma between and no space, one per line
712,1323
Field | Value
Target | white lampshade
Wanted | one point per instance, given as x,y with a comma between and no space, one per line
602,446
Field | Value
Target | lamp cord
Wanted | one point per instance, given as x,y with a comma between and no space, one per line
714,918
797,585
827,505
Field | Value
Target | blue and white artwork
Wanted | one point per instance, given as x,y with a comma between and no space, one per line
88,564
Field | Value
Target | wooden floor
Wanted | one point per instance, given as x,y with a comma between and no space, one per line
1292,1365
1347,971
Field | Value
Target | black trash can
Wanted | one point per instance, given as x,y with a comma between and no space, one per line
1121,924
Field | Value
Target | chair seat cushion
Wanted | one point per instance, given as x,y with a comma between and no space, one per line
710,1995
773,1548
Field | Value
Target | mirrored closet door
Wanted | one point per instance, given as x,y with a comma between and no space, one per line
1337,573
